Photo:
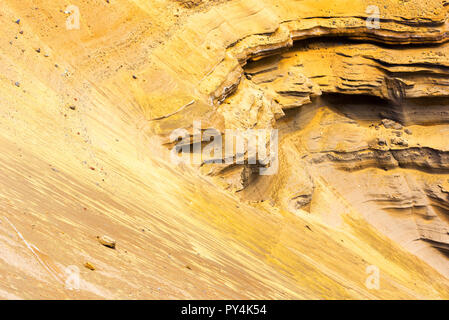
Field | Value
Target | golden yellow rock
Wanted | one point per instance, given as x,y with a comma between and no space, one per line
362,111
89,266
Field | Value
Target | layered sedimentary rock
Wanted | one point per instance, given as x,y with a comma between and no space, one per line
397,71
87,117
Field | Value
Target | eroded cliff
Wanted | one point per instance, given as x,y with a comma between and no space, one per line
363,160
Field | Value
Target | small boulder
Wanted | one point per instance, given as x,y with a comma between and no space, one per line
381,142
89,266
390,124
107,242
399,142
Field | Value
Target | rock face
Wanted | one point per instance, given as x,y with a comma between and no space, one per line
300,78
398,74
356,175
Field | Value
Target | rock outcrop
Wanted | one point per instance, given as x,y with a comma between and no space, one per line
396,71
93,115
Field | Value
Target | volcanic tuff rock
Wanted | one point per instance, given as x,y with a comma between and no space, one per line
363,172
399,71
